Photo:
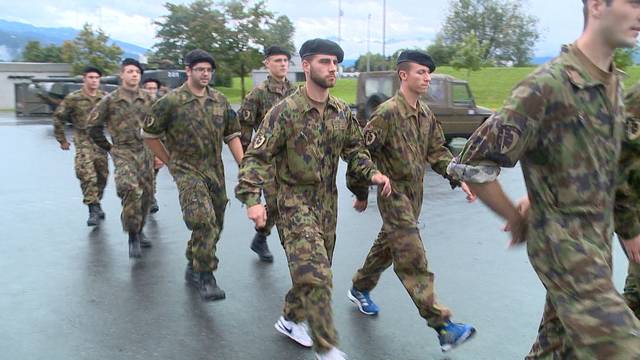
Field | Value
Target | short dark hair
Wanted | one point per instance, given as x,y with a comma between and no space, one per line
403,66
585,10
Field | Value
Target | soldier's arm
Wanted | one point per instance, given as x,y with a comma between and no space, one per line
61,116
375,135
96,122
500,142
232,133
438,155
360,167
268,142
627,200
155,125
248,117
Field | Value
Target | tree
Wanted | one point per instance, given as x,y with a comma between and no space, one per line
623,58
441,52
234,32
377,62
468,55
34,52
91,48
504,31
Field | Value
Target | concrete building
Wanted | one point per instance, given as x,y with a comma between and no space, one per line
17,72
295,73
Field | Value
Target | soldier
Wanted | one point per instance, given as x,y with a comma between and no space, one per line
627,220
152,86
565,123
195,120
304,135
253,109
404,137
91,162
123,113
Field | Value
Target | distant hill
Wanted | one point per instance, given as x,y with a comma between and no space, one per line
15,35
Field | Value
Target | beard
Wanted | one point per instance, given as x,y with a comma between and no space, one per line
320,81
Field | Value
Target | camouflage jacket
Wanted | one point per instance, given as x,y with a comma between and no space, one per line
627,215
403,141
122,117
567,136
192,132
75,109
256,104
305,148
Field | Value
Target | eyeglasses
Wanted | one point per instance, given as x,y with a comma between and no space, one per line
200,70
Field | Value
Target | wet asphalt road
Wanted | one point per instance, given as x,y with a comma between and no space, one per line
68,291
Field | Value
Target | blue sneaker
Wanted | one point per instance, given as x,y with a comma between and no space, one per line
454,334
363,300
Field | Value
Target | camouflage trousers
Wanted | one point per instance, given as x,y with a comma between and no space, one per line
399,243
269,191
632,288
134,184
584,316
92,169
203,201
308,237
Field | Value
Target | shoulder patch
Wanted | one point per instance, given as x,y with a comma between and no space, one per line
370,138
149,120
259,140
94,116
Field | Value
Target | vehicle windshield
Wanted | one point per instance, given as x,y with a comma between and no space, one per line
461,94
378,85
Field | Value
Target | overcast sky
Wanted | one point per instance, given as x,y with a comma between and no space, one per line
410,23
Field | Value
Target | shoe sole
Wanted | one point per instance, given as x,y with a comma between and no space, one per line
284,331
355,301
464,338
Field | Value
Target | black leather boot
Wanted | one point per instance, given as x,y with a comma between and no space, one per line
94,216
134,245
260,247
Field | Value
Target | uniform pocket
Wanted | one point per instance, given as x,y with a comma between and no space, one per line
303,157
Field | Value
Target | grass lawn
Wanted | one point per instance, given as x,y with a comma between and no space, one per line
490,86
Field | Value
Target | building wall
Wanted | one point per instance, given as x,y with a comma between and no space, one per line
295,73
17,72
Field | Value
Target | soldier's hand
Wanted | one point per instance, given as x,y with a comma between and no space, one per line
65,146
632,248
523,205
518,227
471,197
382,181
258,214
360,205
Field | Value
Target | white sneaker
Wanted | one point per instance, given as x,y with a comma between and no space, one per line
297,332
333,354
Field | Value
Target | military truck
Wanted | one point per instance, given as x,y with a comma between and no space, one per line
449,98
41,96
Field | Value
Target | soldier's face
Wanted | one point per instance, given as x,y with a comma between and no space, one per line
199,74
130,76
417,78
619,21
277,65
322,70
151,87
91,80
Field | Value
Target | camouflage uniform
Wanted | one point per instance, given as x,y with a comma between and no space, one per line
91,162
193,133
254,106
627,218
123,116
305,147
402,142
566,133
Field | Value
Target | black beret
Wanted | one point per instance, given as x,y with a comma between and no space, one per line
417,57
89,69
148,80
276,50
197,56
134,62
321,46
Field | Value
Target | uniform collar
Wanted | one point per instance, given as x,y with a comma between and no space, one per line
306,106
405,109
577,74
185,95
119,94
275,86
